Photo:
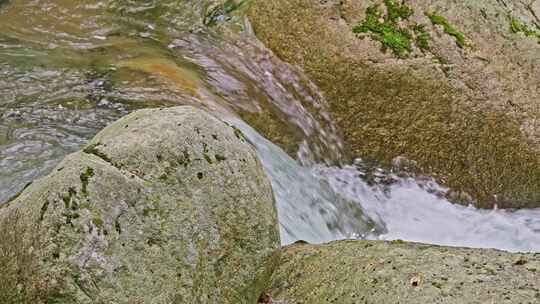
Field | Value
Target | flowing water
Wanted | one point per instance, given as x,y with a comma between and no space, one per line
69,68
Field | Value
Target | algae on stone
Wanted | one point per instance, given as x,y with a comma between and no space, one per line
422,37
448,28
387,29
519,27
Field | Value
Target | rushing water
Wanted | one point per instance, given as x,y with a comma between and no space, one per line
69,68
352,207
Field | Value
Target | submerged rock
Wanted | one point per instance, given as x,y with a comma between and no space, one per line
452,86
349,272
163,206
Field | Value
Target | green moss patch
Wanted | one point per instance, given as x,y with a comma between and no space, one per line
396,11
516,26
85,178
389,32
448,28
98,221
422,37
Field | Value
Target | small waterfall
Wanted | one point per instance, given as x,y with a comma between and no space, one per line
319,204
308,208
243,75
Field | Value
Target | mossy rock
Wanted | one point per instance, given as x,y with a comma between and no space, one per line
348,272
163,206
458,97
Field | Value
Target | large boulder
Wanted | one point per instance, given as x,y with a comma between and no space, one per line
348,272
163,206
451,86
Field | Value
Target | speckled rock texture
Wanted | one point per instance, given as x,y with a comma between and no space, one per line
374,272
163,206
452,86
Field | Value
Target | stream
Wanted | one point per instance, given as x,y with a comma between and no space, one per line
69,68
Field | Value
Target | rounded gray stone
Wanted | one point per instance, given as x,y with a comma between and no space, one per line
163,206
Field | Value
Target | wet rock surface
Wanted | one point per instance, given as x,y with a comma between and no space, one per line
451,86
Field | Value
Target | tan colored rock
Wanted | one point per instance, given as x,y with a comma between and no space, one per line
467,113
348,272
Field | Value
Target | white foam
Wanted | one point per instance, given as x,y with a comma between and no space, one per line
310,207
412,213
